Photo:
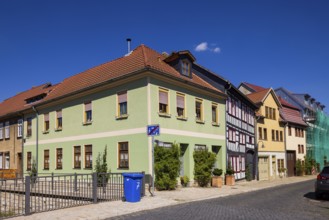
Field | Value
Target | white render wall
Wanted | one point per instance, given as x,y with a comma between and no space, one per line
292,142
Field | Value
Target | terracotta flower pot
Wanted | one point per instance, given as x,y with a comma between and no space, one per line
229,180
217,181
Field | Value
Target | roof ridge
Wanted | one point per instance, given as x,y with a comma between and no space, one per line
144,55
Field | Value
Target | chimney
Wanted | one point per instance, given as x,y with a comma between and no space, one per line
128,42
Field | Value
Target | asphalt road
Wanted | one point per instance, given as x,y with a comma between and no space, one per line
293,201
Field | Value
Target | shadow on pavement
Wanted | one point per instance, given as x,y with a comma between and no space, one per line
311,195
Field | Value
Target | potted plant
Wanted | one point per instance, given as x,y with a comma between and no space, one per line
229,176
282,171
217,180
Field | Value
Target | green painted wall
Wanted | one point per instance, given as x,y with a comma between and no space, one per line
104,106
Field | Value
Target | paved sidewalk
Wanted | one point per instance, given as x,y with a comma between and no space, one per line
161,198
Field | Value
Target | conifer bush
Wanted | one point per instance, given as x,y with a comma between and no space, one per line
167,165
203,164
101,168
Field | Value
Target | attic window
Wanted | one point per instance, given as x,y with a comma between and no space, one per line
35,98
186,68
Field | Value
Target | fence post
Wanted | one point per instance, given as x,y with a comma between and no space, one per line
75,182
27,195
143,185
94,188
52,181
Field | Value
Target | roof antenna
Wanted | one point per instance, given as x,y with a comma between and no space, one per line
128,42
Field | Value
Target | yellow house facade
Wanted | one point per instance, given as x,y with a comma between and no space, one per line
270,132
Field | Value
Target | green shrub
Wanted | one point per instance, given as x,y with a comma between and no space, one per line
299,168
166,166
229,169
101,168
184,180
248,173
203,164
33,173
217,172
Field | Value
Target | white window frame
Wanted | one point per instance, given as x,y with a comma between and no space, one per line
1,131
7,130
20,128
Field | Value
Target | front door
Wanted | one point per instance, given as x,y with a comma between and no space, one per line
291,162
263,168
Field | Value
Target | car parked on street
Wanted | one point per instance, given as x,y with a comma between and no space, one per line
322,183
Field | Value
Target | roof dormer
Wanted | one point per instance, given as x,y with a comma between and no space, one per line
182,61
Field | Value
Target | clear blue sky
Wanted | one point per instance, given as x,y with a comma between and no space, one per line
268,43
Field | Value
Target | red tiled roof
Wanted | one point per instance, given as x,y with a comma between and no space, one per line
287,104
18,102
140,58
258,97
292,115
254,87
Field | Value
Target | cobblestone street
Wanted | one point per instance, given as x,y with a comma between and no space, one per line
294,201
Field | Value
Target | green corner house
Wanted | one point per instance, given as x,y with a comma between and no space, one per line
109,106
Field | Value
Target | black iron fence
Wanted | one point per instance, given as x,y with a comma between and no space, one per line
24,196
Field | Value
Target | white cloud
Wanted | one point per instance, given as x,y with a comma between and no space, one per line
204,47
217,50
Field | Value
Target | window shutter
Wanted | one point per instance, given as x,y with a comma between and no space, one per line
88,106
122,97
163,97
59,114
180,102
46,117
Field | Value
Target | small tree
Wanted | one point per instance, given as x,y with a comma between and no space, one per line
248,173
203,164
299,168
101,168
33,172
167,165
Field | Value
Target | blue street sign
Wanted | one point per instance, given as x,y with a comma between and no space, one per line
153,130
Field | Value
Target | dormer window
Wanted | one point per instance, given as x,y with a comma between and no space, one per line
186,68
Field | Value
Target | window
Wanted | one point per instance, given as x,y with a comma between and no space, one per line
88,113
7,160
185,68
123,155
163,101
180,99
281,136
277,135
29,161
270,113
273,135
29,127
200,147
214,113
122,104
265,134
1,131
302,146
59,120
198,110
20,128
88,157
7,130
77,157
46,122
59,158
46,159
1,160
260,133
289,130
280,164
